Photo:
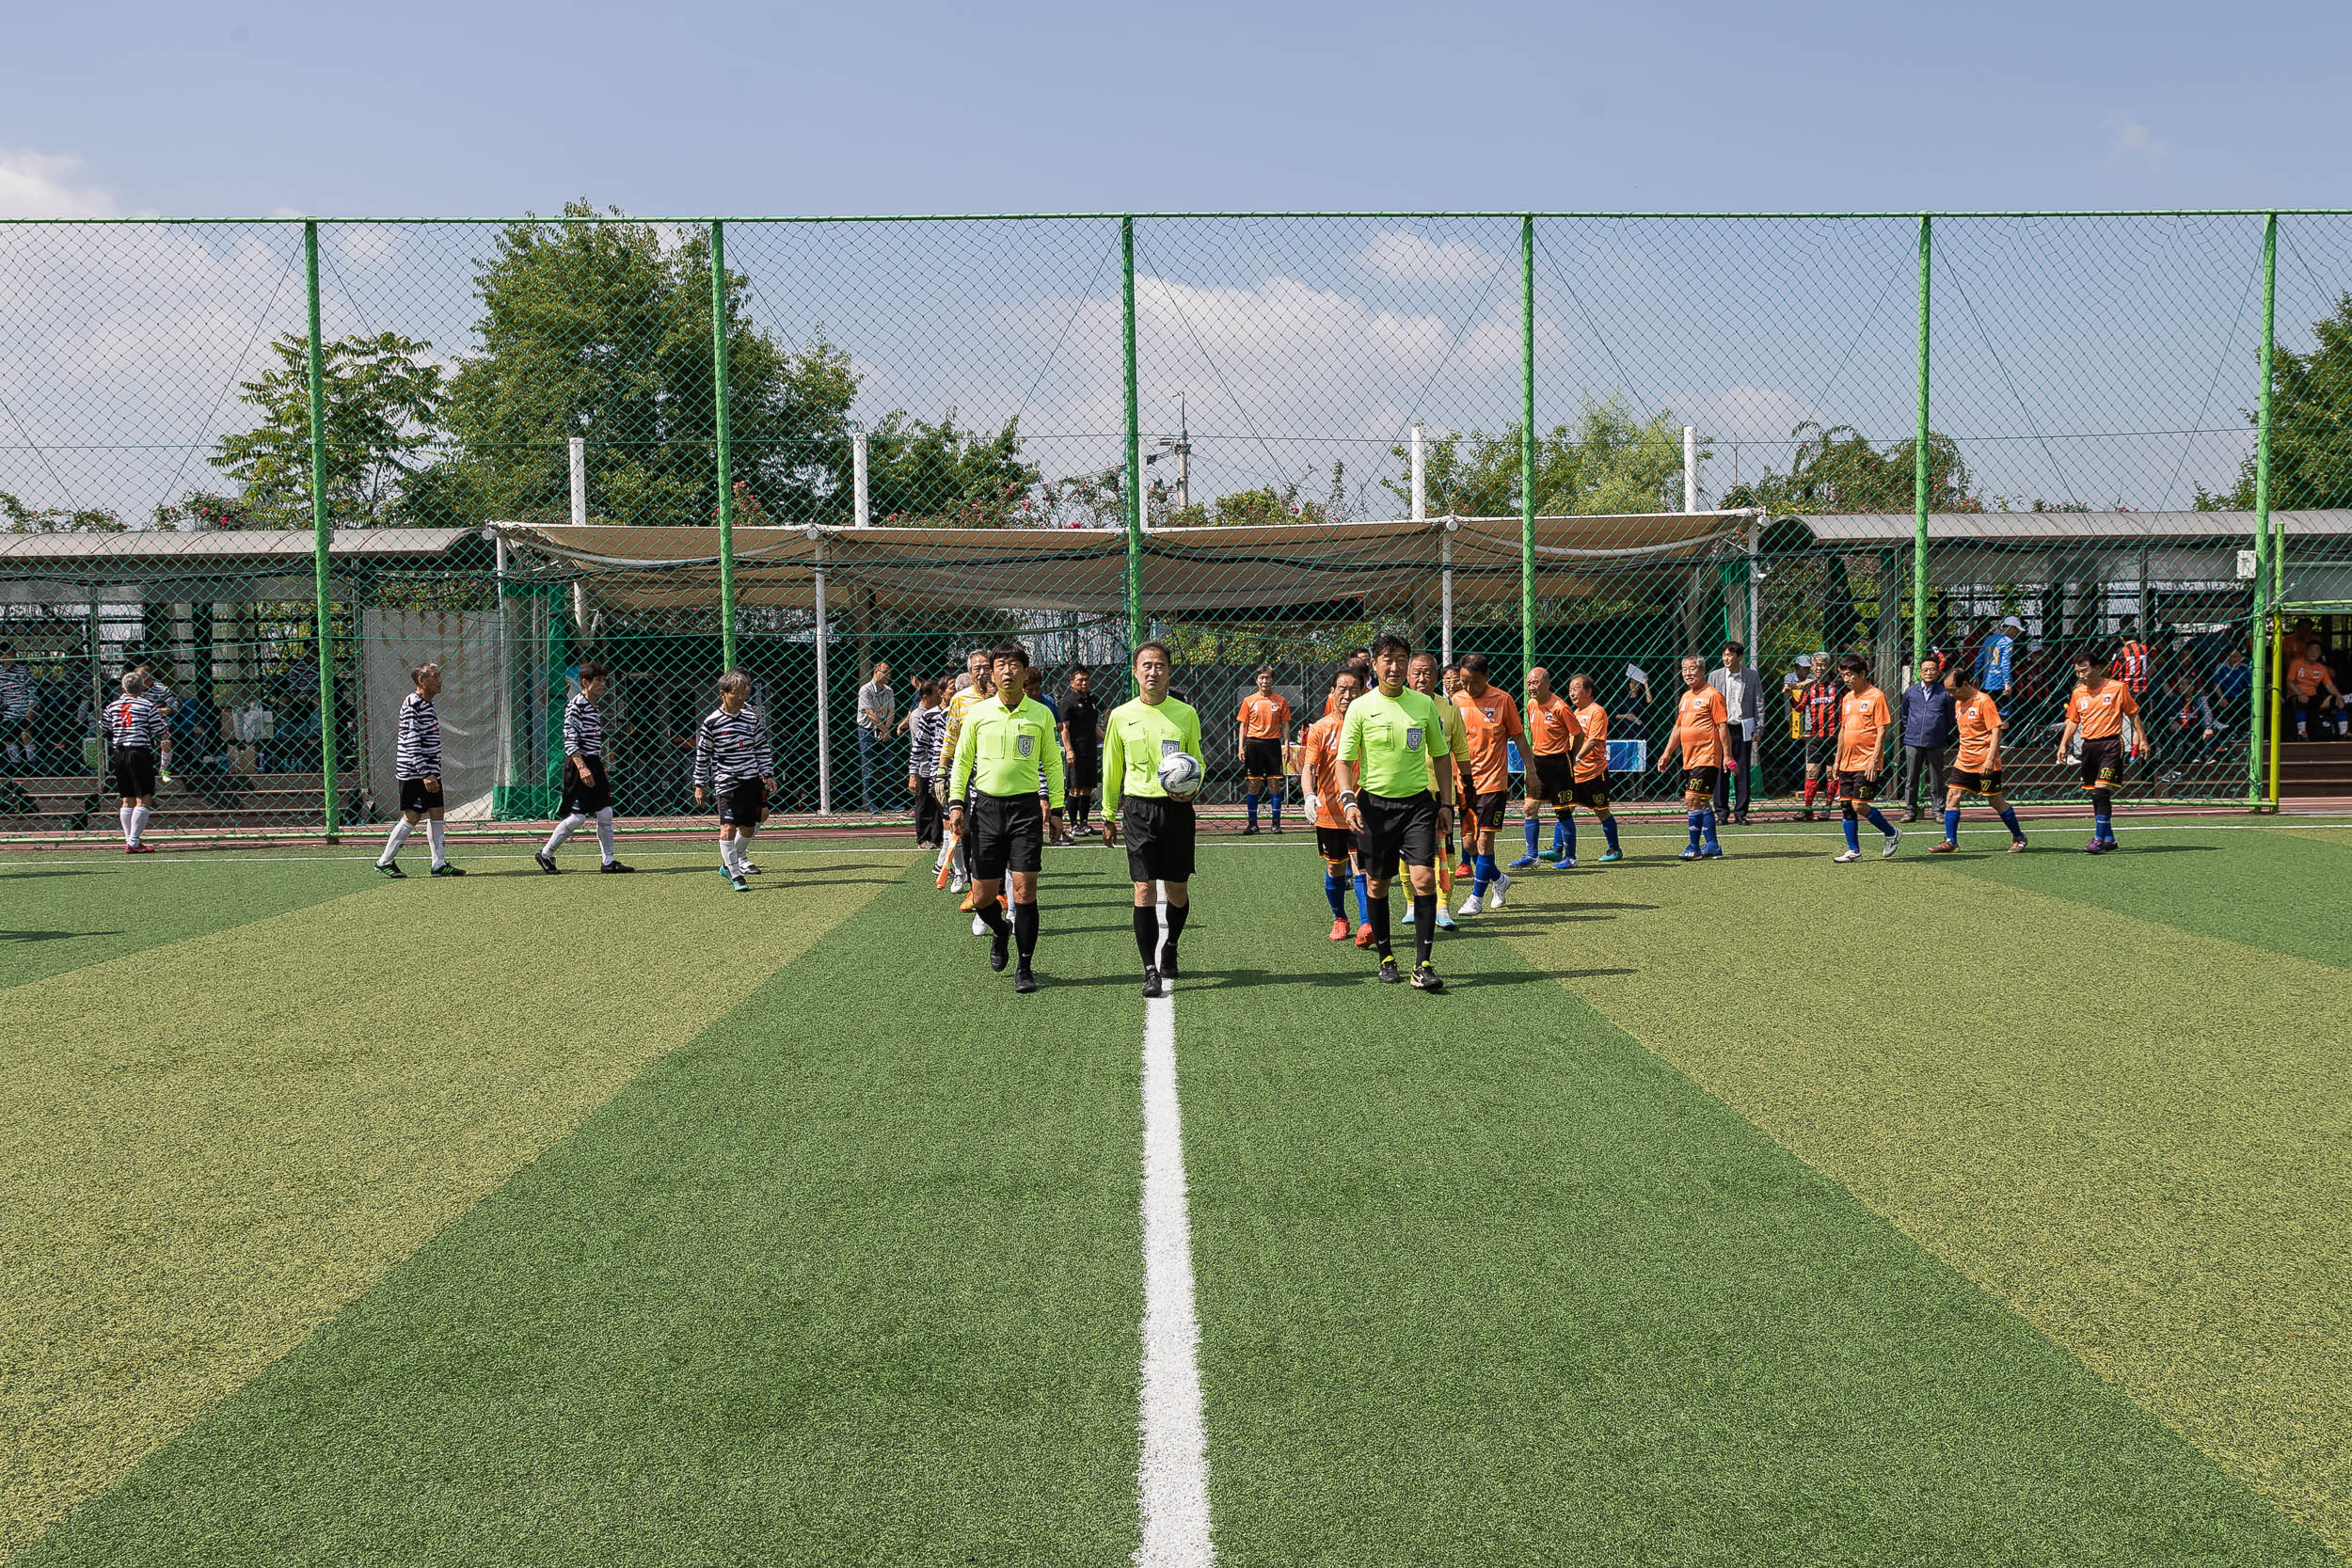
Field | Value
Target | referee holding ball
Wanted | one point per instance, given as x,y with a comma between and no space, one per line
1137,736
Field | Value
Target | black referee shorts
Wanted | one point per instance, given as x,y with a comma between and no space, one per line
1159,837
584,799
135,773
1004,832
1395,830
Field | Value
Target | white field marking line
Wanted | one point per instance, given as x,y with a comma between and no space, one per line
231,857
1172,1479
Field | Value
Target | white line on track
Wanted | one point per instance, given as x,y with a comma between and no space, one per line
1172,1481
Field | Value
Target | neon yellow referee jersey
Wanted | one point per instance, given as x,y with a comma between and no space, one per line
1389,739
1007,751
1134,737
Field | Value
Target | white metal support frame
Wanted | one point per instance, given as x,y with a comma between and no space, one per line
864,515
824,687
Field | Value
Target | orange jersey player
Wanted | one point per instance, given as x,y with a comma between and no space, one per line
1864,721
1553,738
1264,719
2094,713
1702,733
1977,771
1319,776
1490,722
1589,786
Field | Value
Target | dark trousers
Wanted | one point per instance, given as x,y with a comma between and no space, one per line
870,747
1731,783
928,828
1927,760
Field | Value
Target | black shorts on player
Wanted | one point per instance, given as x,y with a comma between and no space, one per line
1336,843
1085,768
1859,787
415,796
1701,781
135,773
1552,778
742,805
1821,754
1006,832
1592,794
589,796
1159,835
1398,830
1484,809
1262,759
1977,783
2102,761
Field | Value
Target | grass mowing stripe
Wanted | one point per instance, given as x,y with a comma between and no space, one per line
853,1278
211,1146
1483,1282
2128,1131
60,917
2245,890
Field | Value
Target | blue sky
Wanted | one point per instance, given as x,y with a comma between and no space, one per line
2103,363
478,109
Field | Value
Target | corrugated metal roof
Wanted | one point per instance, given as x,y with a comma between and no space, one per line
154,546
1896,528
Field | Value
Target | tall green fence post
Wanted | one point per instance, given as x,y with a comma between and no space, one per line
321,539
2265,549
1919,460
1527,444
1134,435
720,431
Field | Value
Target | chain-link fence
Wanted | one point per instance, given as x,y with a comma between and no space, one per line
284,461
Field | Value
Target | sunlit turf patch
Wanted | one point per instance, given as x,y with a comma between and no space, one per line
211,1146
61,913
2128,1132
851,1279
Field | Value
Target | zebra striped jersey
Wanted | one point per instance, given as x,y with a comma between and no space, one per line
925,733
584,727
732,749
417,753
16,691
132,724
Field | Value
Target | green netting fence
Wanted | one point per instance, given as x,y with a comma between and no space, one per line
284,460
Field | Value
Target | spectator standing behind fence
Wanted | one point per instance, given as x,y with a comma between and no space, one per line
2194,723
1743,710
1926,711
1997,661
2233,685
16,707
877,720
927,727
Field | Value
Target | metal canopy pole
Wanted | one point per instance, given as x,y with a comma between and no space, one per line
1135,435
825,686
720,434
1527,442
1919,460
321,539
2257,703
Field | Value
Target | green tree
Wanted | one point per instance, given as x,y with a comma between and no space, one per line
17,517
1835,469
938,476
383,403
599,329
1609,460
2311,425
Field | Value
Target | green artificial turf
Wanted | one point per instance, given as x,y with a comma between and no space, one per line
58,912
1482,1281
853,1278
2129,1131
211,1146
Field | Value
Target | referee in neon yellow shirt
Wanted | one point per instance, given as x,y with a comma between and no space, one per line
1385,780
1135,737
1007,754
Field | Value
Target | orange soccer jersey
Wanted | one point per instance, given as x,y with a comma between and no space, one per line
1861,721
1979,724
1552,726
2100,714
1486,722
1593,762
1695,720
1322,751
2306,675
1264,718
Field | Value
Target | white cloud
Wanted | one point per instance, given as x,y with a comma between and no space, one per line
1402,257
2128,139
43,186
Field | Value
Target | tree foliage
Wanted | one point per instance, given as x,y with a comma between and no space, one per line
2311,425
17,517
1835,469
383,401
938,476
1609,460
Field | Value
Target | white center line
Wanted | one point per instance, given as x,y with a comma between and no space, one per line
1172,1481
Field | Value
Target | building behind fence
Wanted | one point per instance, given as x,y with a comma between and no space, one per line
285,460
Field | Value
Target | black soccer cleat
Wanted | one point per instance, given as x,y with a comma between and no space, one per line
546,862
447,869
1151,986
1389,972
997,955
1023,981
1167,960
612,867
391,869
1426,978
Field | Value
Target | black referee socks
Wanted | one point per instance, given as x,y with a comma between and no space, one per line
1148,936
1024,931
1380,924
1425,924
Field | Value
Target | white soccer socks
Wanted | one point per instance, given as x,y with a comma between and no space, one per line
138,823
563,829
391,845
433,835
604,834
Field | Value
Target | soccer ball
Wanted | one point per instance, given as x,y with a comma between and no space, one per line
1180,775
